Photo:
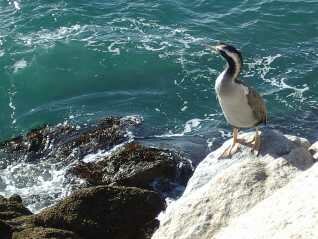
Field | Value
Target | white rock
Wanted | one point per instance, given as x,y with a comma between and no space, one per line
222,190
313,149
299,140
291,212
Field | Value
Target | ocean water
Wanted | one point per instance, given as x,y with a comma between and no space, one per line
79,61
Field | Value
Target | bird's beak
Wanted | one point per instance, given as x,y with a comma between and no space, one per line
212,48
217,48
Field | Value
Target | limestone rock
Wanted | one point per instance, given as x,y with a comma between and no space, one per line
136,166
103,212
291,212
220,190
299,140
313,149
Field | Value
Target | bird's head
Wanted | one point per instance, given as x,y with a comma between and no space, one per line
229,53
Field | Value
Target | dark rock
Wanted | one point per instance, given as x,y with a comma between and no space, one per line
65,142
148,230
12,207
104,212
5,230
193,147
15,198
2,183
137,166
44,233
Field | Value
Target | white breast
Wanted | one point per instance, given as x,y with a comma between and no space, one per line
234,104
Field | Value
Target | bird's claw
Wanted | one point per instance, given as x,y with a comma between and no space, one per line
255,152
229,151
256,146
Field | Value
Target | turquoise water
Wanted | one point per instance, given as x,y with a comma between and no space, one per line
83,60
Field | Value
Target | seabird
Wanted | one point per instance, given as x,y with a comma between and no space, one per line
242,106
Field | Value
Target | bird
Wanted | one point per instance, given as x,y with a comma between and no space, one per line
242,105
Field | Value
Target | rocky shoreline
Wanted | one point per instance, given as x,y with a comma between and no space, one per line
94,212
122,193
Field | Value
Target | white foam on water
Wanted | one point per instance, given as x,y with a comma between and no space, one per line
1,44
189,127
298,92
137,119
44,182
16,5
150,48
47,38
225,134
103,154
263,66
111,48
184,108
39,184
210,142
185,105
191,124
18,65
11,105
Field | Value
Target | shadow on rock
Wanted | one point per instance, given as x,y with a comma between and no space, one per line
292,148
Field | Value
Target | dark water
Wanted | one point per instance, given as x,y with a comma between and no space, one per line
82,60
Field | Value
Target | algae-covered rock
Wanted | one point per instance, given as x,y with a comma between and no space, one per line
66,142
137,166
103,212
12,207
5,230
44,233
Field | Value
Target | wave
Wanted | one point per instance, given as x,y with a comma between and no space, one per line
46,181
39,185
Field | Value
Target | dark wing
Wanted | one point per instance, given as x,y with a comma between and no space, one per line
257,104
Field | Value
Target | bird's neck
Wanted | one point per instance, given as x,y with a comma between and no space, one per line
233,68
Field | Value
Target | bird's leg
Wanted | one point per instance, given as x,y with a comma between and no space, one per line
257,143
248,143
229,151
